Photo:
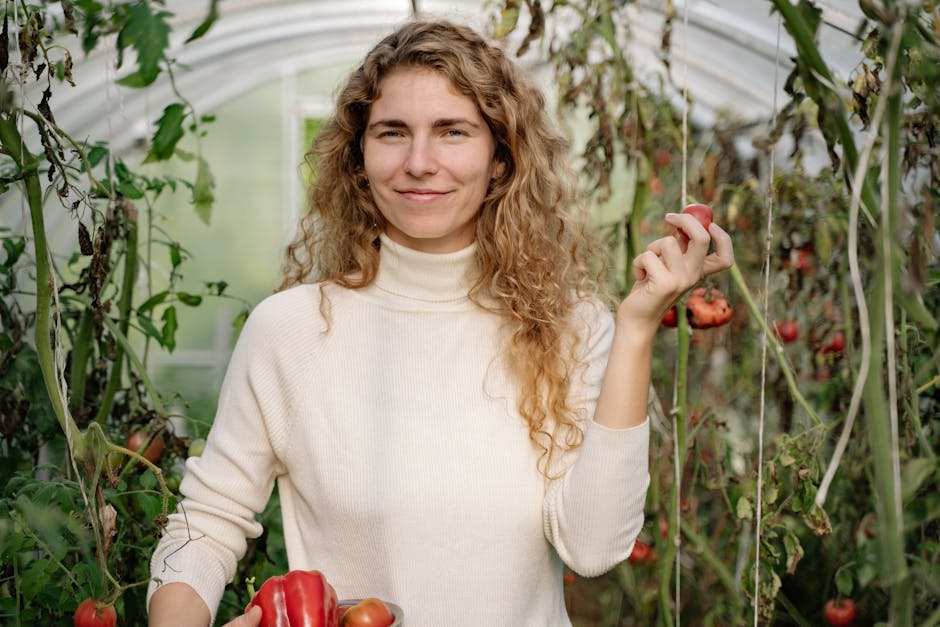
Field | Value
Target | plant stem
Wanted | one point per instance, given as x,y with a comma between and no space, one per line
882,429
26,162
124,307
680,416
713,561
78,373
775,345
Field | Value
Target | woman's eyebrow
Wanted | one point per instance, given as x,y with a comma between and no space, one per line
388,123
443,122
454,122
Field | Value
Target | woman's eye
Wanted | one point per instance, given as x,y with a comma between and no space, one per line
454,132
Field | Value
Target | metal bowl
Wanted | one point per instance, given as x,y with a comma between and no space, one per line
396,611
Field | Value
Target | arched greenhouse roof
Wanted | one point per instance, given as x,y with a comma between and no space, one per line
727,56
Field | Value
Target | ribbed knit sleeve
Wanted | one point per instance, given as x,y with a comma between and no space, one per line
593,513
232,481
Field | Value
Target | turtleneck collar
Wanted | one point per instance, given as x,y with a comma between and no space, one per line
424,276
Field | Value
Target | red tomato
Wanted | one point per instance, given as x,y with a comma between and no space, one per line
839,612
662,157
836,343
656,186
702,213
707,308
138,439
671,318
641,552
369,612
94,613
787,331
569,577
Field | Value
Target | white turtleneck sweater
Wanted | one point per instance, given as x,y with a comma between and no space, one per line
403,467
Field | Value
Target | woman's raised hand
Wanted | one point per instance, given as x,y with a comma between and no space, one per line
663,272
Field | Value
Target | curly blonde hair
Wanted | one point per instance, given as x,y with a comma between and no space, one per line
536,258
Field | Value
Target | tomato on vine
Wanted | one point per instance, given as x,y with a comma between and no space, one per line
839,612
94,613
671,319
708,308
642,552
787,330
138,439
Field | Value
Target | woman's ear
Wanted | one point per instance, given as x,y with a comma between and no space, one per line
499,168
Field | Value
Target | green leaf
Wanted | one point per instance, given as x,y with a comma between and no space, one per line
170,325
175,257
508,19
34,578
844,581
97,153
217,287
239,322
169,132
151,504
913,475
130,190
152,302
744,509
148,327
148,33
148,480
192,300
207,23
202,191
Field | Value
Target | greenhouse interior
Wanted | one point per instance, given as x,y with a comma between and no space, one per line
160,174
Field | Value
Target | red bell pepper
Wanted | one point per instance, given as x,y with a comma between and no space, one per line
301,598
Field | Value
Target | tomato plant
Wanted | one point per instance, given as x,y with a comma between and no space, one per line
94,613
371,612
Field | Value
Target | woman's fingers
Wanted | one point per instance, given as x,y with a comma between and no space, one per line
251,618
723,256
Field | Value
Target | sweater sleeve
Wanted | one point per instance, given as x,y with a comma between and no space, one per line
232,481
593,512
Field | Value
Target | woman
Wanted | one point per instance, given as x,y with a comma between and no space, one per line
450,413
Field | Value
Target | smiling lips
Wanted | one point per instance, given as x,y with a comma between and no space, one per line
422,195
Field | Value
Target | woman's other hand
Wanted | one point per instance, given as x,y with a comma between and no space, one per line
663,272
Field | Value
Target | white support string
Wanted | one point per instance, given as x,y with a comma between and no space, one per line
768,245
677,536
858,289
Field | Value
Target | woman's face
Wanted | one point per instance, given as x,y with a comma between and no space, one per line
429,158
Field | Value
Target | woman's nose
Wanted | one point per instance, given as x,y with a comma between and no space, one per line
420,160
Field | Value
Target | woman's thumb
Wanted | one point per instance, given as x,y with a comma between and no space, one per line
251,618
